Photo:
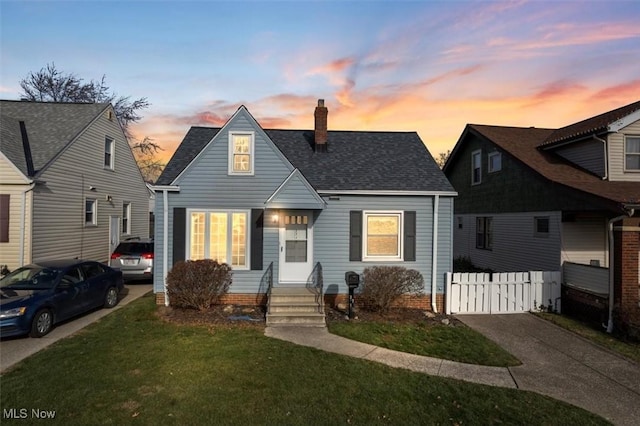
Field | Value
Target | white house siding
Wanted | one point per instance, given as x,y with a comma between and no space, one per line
585,240
14,184
587,154
58,215
515,247
616,154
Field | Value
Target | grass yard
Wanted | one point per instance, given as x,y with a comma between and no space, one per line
455,343
133,368
628,349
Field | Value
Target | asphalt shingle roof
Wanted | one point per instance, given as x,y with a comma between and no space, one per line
50,128
597,124
358,161
523,144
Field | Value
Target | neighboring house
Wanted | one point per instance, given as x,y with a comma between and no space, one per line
69,185
283,205
546,199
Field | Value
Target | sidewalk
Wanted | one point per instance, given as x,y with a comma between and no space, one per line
555,363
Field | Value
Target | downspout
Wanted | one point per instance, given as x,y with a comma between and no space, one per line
611,266
606,160
23,217
165,243
434,264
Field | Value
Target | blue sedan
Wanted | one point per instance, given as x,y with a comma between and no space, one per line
35,297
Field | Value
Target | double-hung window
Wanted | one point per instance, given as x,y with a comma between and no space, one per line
219,235
241,149
126,218
476,167
108,153
382,232
632,153
90,206
484,233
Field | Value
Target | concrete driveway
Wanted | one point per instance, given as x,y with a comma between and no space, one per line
565,366
14,350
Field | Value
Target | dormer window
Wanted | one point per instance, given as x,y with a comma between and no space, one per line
632,153
241,147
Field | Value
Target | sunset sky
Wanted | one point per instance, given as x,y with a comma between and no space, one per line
426,66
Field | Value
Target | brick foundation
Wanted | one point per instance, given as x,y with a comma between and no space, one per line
627,273
248,299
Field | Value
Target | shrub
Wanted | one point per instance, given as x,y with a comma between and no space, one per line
385,284
198,284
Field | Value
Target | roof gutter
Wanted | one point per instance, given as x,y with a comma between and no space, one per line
606,159
630,212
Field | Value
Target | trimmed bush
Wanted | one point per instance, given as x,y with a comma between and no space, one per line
198,284
383,285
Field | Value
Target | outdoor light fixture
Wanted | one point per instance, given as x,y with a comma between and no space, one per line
274,218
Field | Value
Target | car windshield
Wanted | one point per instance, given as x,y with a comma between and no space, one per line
31,278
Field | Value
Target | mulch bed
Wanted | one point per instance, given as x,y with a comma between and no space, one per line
254,316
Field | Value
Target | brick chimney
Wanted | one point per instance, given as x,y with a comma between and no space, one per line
320,129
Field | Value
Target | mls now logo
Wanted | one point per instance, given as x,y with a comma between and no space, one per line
23,413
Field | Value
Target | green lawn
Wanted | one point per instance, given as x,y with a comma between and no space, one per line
455,343
133,368
599,336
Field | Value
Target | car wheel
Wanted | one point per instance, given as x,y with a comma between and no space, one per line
111,298
42,323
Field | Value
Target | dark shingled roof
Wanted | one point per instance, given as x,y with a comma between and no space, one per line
593,125
357,161
523,142
50,128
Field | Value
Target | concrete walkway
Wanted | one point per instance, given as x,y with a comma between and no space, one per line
15,349
554,363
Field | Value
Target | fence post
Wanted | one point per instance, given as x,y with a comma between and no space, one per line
447,294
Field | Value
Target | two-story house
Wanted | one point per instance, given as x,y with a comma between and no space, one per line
554,199
69,184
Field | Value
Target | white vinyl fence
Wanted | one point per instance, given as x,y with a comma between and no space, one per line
502,293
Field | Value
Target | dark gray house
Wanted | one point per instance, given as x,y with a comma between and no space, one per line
554,199
296,206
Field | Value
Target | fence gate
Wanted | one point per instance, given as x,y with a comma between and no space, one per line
502,293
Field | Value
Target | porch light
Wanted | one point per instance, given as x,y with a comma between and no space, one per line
274,218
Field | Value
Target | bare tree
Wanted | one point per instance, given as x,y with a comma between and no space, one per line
51,85
442,158
145,154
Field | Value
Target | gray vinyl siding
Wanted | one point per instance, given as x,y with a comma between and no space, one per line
295,193
205,184
515,247
59,229
587,154
616,154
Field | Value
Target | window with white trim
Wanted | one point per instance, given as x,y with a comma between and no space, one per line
495,162
108,152
632,153
382,235
126,218
476,167
219,235
241,148
90,207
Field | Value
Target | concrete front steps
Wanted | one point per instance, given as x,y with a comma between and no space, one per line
294,306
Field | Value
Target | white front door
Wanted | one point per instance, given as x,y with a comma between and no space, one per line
114,233
296,246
